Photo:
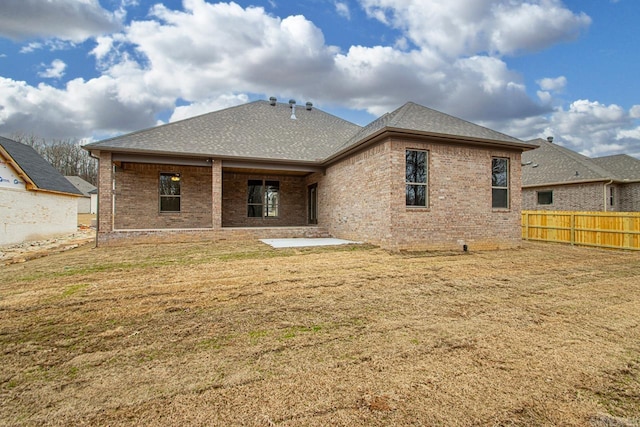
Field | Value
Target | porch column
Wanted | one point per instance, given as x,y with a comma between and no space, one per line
105,193
216,193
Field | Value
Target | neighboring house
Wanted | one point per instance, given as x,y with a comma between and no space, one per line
84,202
36,201
94,200
412,179
556,178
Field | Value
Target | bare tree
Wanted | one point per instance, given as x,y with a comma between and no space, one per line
66,155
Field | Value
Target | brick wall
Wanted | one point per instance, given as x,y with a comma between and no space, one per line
137,197
292,208
629,195
575,197
105,193
459,210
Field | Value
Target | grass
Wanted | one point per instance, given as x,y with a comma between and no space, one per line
237,333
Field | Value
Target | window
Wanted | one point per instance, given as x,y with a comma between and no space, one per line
545,197
416,178
263,198
611,196
170,192
500,183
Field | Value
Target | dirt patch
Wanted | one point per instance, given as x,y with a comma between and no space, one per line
237,333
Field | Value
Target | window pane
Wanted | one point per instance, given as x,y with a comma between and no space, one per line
499,198
255,192
169,204
416,195
254,211
499,176
545,197
416,166
170,184
272,197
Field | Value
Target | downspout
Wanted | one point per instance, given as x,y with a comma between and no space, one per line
95,243
605,193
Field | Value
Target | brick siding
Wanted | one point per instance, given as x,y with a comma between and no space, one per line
459,211
292,207
574,197
361,197
137,197
629,196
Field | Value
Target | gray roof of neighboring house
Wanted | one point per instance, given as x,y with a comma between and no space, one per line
83,186
261,131
37,169
623,166
554,164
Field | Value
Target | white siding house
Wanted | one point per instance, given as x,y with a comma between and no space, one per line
36,201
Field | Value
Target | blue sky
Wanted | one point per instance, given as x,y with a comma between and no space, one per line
90,69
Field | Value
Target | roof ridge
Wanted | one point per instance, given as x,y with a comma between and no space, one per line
401,111
583,160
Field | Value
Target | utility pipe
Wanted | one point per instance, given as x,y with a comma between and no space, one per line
605,193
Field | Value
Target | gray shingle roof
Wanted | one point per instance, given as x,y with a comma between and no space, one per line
39,171
415,117
83,186
623,166
258,130
556,164
255,130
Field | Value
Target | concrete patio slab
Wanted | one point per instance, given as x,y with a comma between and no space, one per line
304,242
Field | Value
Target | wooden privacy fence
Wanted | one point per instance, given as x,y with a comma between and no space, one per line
618,230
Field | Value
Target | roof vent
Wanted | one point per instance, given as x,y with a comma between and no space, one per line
292,105
273,100
550,139
309,106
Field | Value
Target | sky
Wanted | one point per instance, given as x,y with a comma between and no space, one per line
91,69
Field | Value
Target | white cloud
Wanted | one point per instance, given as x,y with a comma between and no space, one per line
54,71
207,106
73,20
588,127
552,84
342,8
462,27
79,109
207,51
212,55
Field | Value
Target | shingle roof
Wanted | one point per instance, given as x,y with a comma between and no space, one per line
83,186
259,130
39,171
415,117
623,166
554,164
255,130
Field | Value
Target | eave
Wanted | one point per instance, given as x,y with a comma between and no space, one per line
583,181
391,132
30,185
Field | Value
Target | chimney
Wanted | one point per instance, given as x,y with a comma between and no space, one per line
550,139
273,101
309,106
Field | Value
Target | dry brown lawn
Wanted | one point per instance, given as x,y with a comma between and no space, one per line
237,333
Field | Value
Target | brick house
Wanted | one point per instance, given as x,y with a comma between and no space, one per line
412,179
36,201
556,178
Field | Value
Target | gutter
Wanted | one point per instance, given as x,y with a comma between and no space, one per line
584,181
